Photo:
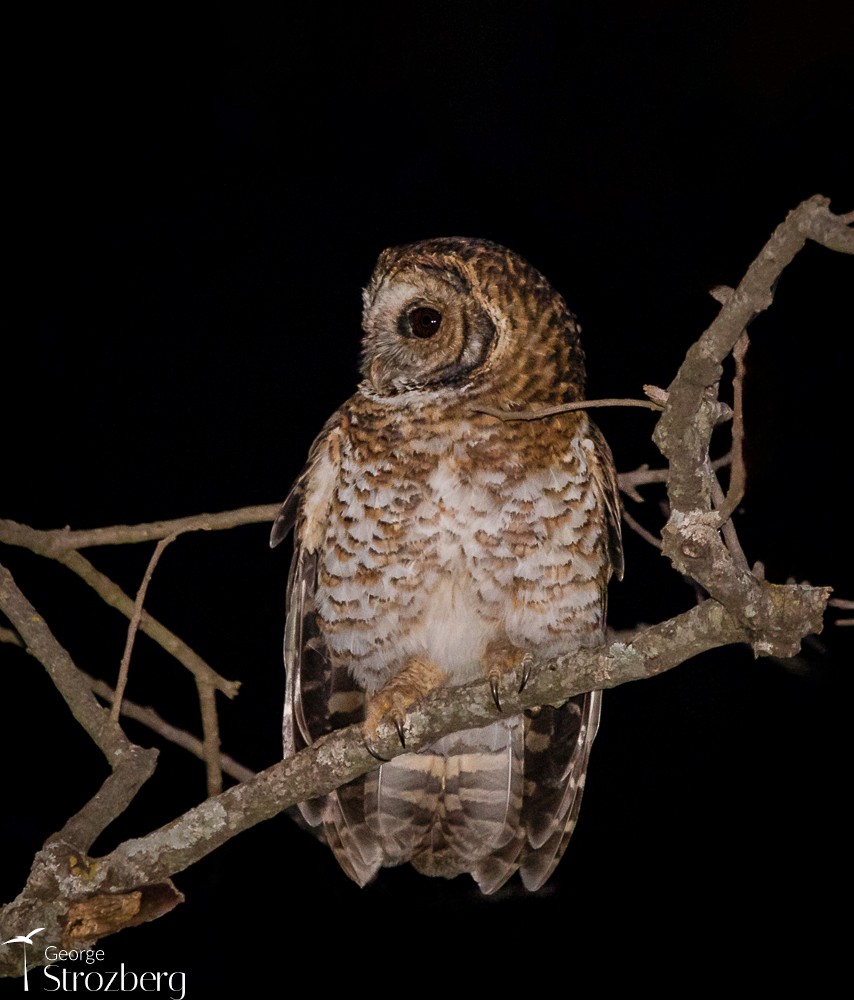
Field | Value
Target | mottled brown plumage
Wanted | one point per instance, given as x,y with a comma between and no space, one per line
436,544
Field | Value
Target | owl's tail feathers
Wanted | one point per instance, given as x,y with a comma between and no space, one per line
491,873
484,776
553,811
355,847
401,802
448,809
339,819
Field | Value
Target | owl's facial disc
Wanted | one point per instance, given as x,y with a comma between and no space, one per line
422,331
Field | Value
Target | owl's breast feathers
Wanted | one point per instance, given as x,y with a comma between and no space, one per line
438,531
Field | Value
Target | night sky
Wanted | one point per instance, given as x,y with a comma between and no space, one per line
199,194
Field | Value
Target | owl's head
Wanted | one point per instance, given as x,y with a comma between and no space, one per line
471,317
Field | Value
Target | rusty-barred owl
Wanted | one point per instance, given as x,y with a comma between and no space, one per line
436,544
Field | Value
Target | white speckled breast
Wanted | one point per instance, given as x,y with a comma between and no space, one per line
445,541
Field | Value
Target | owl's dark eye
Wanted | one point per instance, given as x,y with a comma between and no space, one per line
424,322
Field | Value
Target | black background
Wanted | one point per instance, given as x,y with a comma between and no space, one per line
199,193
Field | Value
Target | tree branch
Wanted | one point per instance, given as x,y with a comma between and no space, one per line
691,536
113,595
210,730
124,666
51,543
180,737
40,641
549,411
338,758
131,765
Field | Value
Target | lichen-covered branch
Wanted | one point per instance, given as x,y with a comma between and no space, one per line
691,537
57,883
684,430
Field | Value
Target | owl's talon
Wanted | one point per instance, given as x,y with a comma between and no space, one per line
373,753
398,725
494,687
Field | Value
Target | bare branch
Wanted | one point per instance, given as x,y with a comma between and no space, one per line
730,535
342,756
701,368
180,737
210,728
637,527
131,765
110,801
51,543
118,599
656,394
124,666
691,538
841,602
643,476
738,476
11,636
550,411
40,641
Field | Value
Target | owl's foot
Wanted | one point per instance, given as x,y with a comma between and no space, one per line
507,668
394,699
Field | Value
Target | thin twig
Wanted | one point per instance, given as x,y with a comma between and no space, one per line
738,474
629,481
135,619
10,635
730,535
41,642
131,765
700,370
643,475
636,526
845,605
117,598
549,411
180,737
52,542
210,729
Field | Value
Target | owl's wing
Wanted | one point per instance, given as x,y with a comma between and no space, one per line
320,696
605,475
556,758
306,508
558,740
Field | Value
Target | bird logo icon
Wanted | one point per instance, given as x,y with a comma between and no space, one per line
25,939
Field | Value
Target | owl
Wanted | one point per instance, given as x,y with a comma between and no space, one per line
436,544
